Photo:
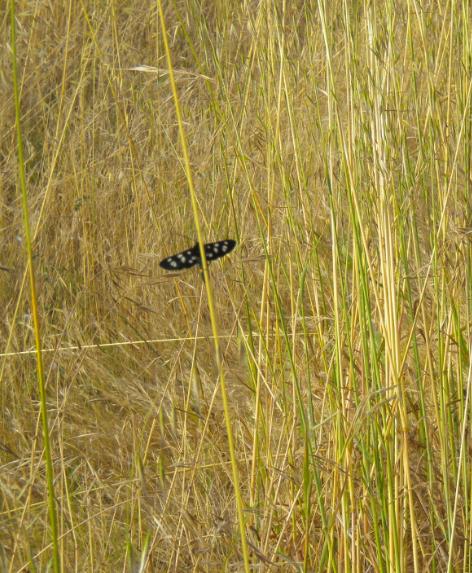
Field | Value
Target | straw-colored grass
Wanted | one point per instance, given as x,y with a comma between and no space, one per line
332,140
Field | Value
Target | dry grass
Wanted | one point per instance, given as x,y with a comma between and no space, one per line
333,141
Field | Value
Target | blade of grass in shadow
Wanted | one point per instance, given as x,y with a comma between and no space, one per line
186,160
34,305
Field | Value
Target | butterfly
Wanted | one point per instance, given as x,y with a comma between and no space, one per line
191,257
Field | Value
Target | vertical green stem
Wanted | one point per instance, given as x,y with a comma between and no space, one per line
34,304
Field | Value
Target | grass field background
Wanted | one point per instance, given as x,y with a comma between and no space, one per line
332,140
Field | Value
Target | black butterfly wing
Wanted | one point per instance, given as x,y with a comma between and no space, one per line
191,257
219,249
184,260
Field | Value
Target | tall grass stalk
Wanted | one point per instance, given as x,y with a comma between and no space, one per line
214,327
34,303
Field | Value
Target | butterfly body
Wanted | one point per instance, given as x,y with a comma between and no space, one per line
192,257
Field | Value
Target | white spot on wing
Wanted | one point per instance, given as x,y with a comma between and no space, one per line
174,264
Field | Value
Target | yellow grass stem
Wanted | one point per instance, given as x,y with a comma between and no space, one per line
219,364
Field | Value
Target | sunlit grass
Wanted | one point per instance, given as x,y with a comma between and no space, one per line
333,141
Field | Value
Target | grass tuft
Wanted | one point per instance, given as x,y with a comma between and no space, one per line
307,405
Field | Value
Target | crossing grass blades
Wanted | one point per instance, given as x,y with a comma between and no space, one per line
192,257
